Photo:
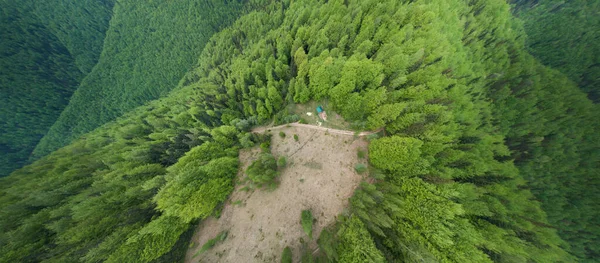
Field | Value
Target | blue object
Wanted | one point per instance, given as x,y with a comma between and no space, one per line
319,109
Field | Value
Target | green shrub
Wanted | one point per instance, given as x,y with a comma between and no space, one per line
296,137
307,222
246,140
282,134
361,154
261,137
291,118
284,117
306,256
286,256
372,136
360,168
356,243
327,244
358,125
266,147
263,170
281,162
211,243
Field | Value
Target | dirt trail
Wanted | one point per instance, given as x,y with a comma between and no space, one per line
320,176
330,130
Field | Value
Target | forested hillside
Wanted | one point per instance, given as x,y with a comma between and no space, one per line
148,48
480,139
565,35
79,25
47,48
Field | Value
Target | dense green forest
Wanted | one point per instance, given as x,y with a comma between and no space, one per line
79,25
488,155
565,35
47,48
148,48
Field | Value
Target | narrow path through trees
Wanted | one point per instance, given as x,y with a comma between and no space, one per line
296,124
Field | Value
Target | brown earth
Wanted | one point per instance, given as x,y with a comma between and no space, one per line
319,176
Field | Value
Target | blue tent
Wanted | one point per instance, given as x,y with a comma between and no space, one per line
319,109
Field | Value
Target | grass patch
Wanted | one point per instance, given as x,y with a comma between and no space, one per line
296,137
282,134
211,243
360,168
314,165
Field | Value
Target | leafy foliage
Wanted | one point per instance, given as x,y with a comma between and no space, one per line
397,154
355,243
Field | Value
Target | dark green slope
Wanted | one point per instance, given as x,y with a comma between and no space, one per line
553,133
80,25
565,35
463,105
550,127
148,48
41,66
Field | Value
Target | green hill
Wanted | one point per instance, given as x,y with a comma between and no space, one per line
148,48
47,48
487,155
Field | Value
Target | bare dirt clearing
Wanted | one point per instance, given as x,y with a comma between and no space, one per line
319,176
